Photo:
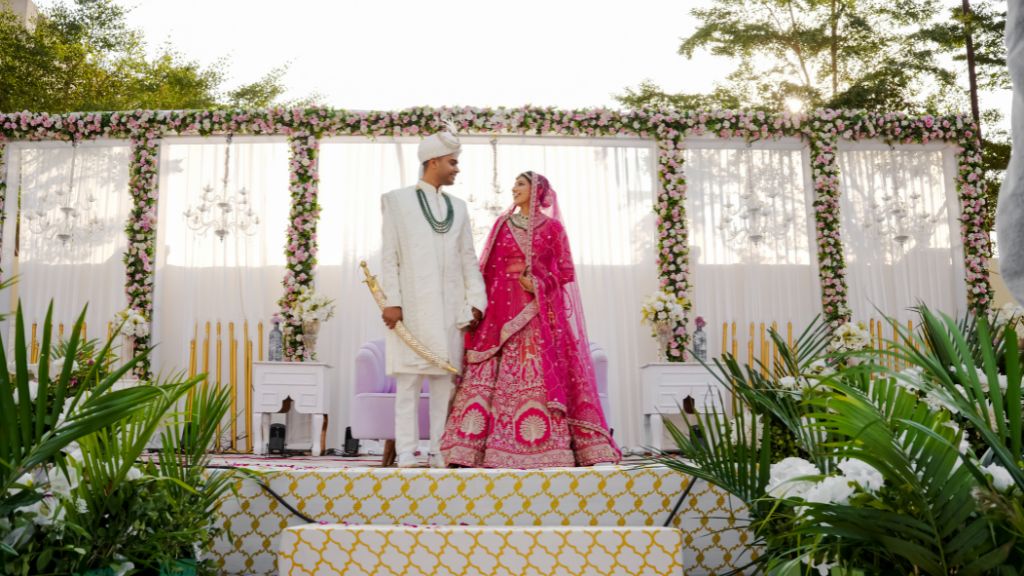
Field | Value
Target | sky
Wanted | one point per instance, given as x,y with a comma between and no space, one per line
385,55
393,54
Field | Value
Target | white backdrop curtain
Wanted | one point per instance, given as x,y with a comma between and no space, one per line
606,191
928,267
200,278
735,279
87,269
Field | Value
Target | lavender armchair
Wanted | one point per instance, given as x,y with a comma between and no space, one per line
373,404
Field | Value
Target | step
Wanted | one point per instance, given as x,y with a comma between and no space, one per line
612,496
484,550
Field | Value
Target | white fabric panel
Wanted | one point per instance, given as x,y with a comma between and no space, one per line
88,269
1010,211
606,191
883,276
735,279
203,279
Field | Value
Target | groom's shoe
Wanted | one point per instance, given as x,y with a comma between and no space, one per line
437,461
407,460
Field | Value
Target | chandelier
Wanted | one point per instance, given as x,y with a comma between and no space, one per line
65,214
900,215
486,210
222,213
759,215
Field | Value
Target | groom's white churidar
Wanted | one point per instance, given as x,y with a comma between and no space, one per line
429,269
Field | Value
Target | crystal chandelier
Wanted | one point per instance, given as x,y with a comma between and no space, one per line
900,215
487,210
65,215
759,216
223,212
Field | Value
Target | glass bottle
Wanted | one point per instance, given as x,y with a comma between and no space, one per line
276,348
700,344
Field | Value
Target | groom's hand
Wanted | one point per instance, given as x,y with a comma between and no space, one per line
477,317
392,315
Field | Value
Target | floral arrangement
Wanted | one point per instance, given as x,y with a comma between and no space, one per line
842,465
663,310
850,337
132,323
822,129
312,307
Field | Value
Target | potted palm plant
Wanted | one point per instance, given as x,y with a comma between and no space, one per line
848,465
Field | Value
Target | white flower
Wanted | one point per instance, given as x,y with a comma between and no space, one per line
133,474
938,400
33,391
783,476
864,474
910,379
850,337
1001,479
311,307
819,368
750,423
133,323
831,490
662,309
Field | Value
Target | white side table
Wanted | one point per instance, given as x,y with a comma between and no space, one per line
669,386
275,382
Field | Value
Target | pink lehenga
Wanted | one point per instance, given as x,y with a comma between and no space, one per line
528,396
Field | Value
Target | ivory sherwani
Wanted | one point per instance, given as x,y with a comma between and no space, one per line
434,277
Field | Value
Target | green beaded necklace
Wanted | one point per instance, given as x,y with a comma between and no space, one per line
439,226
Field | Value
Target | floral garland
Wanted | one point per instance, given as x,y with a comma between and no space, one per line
900,128
822,129
141,232
3,193
301,249
673,246
831,259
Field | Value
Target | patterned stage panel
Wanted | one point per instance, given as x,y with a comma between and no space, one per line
479,550
596,496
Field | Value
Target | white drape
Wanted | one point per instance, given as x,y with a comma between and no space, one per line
87,269
735,279
200,278
606,192
928,267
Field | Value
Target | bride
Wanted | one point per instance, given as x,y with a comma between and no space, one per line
528,398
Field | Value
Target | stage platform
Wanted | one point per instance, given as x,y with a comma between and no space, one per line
709,521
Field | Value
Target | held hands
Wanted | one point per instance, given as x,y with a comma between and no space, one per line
526,281
477,317
392,315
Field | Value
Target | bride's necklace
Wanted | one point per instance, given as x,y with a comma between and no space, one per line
519,220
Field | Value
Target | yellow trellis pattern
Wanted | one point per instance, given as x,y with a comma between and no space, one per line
479,550
606,496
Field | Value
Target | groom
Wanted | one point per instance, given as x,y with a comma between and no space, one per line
432,280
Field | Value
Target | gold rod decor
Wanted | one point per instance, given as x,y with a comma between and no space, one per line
35,345
218,447
247,390
233,379
259,337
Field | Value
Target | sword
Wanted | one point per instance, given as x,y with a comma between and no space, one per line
400,329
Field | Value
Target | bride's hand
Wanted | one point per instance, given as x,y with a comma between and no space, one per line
527,283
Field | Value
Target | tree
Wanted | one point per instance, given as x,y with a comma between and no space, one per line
882,55
836,53
974,34
84,57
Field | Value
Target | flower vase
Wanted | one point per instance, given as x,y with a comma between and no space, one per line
310,330
664,334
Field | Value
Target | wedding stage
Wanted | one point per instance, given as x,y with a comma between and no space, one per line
372,520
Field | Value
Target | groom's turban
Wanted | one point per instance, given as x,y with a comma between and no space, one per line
437,145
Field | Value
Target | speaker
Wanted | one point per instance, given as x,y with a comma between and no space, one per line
351,444
275,445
